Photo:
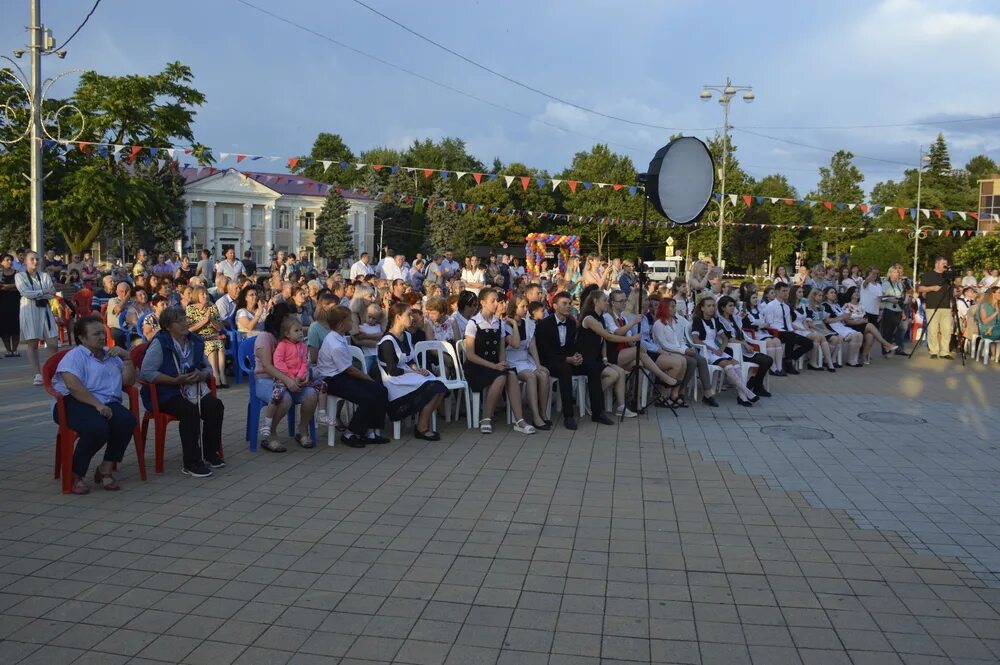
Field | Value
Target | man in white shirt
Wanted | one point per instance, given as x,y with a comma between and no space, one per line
392,269
231,267
777,317
449,266
969,279
362,267
226,305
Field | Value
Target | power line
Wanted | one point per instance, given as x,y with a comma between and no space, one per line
80,27
883,126
445,86
521,84
816,147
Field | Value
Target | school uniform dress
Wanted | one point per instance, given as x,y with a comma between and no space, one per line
818,317
834,310
734,330
487,338
519,356
408,390
708,330
613,323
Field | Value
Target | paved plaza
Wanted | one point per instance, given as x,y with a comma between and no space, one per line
852,519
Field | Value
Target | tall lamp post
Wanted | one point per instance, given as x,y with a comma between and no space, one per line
41,43
726,94
924,159
381,231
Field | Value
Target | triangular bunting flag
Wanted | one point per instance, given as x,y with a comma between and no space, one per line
427,173
901,211
508,179
960,214
863,207
616,187
359,167
478,177
223,155
974,215
524,182
327,163
240,157
774,199
587,185
555,184
460,174
926,213
632,190
733,198
292,161
937,212
572,185
747,199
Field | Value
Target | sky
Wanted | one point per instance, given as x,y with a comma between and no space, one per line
272,87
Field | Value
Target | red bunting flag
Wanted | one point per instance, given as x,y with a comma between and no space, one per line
427,173
86,148
292,161
789,202
747,199
572,186
901,211
937,211
524,182
828,205
974,215
616,187
864,208
378,167
240,157
478,177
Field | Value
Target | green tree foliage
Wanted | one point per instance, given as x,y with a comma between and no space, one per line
840,182
704,242
86,194
334,236
979,253
447,228
882,250
494,229
777,244
331,148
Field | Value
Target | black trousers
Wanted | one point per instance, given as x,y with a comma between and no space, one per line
95,431
795,345
764,363
371,399
889,324
564,372
190,423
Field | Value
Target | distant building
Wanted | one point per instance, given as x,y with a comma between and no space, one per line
989,204
264,213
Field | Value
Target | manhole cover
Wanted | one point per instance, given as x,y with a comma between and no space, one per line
793,432
890,418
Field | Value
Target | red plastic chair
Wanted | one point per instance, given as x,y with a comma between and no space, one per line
66,437
160,419
109,340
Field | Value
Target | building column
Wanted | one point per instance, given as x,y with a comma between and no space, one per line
268,232
247,237
210,229
186,243
296,220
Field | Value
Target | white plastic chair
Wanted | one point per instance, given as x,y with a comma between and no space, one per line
475,396
358,360
714,371
453,384
396,424
746,367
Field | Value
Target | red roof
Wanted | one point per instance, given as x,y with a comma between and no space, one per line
283,183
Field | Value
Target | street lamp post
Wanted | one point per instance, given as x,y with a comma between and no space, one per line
726,94
924,157
41,43
381,230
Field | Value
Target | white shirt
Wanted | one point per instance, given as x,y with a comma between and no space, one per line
871,298
479,322
778,315
231,270
449,269
360,269
969,280
225,306
561,329
670,337
390,270
477,275
334,356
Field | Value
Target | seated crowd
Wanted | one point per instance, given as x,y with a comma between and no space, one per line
517,336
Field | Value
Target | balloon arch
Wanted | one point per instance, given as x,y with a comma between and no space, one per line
535,245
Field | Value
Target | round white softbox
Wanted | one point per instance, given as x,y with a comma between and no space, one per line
680,179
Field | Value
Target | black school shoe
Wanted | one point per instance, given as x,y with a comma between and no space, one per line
352,441
197,470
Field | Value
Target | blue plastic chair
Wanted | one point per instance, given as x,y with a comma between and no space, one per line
235,340
247,361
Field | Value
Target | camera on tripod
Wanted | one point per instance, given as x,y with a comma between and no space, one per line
951,273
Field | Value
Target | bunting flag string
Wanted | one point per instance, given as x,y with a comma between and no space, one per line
869,210
468,208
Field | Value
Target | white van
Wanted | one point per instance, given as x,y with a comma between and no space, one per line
664,271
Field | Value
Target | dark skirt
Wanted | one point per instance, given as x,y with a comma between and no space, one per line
860,327
413,401
480,377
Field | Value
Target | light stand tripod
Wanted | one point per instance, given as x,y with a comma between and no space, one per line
637,372
956,335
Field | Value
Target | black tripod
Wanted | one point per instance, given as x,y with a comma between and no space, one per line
956,334
638,371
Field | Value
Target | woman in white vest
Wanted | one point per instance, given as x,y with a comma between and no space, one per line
411,389
36,318
522,355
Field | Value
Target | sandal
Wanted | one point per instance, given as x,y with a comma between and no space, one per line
79,486
304,441
106,480
273,446
486,425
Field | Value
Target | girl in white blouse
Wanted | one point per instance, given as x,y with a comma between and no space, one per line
835,320
522,355
753,326
854,317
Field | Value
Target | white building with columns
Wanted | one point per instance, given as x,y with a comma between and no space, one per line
264,213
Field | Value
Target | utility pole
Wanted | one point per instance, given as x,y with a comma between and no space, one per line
35,49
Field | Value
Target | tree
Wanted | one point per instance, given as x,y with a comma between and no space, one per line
840,182
331,148
979,253
881,250
446,229
334,236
